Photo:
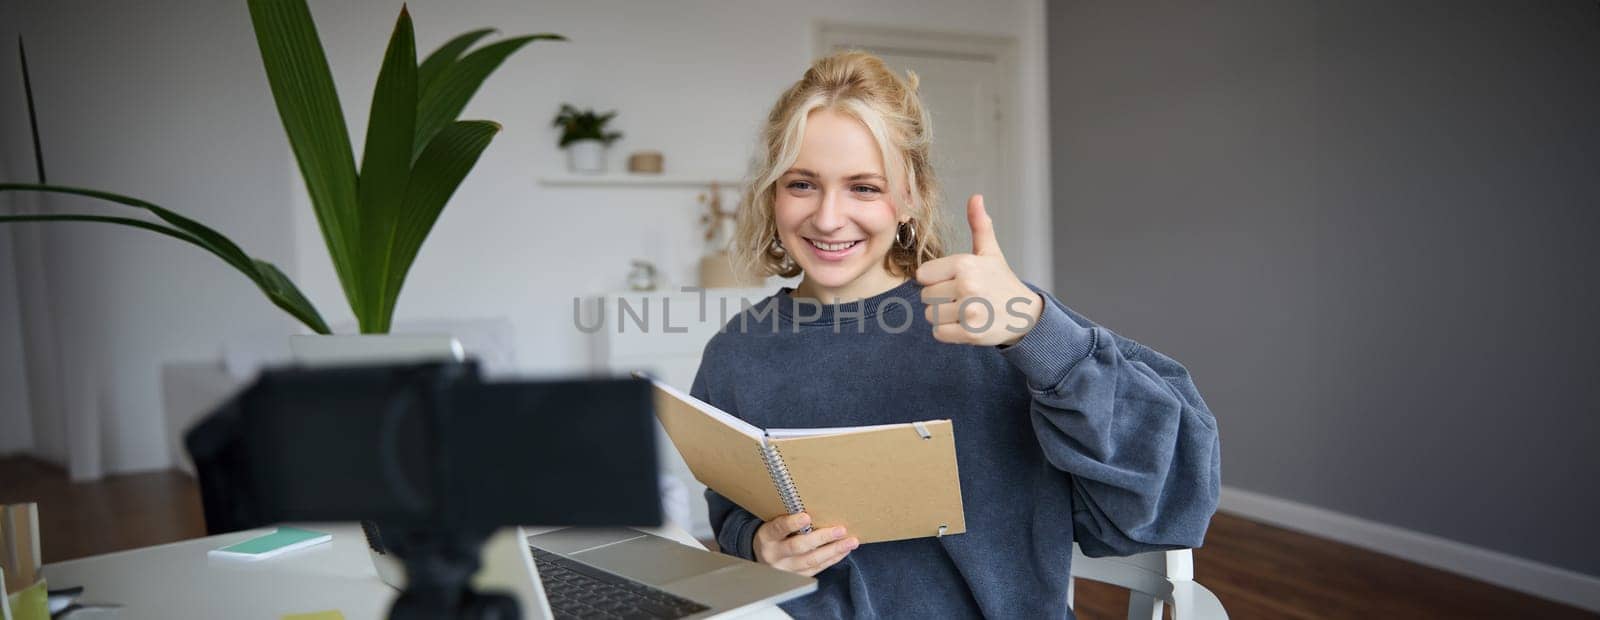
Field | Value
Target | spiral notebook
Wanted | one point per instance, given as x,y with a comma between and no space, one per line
882,483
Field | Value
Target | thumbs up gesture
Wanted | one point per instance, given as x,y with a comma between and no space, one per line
975,298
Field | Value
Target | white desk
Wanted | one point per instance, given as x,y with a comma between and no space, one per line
179,581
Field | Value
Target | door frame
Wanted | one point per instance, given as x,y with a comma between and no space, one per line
1025,165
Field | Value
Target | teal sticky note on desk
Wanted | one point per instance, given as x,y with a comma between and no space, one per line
284,540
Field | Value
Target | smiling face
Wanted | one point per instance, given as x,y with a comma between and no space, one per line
834,211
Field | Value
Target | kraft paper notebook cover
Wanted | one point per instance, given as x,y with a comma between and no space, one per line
881,483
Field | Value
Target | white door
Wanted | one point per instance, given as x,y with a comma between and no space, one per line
964,93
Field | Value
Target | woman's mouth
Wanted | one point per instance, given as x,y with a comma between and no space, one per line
833,250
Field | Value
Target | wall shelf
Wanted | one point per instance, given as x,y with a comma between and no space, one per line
636,180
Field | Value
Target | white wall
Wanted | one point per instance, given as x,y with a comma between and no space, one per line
162,100
166,100
691,79
16,426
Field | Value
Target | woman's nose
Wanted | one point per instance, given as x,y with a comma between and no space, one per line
828,217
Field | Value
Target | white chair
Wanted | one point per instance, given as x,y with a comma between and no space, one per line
1153,580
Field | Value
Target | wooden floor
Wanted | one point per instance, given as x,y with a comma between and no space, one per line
116,513
1258,571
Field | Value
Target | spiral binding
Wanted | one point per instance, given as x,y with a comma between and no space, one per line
781,479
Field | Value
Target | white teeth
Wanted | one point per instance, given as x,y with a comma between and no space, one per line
831,247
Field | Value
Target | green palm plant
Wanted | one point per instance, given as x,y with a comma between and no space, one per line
375,219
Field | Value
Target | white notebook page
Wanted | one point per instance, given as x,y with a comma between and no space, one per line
723,416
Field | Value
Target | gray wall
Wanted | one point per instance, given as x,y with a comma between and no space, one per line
1368,228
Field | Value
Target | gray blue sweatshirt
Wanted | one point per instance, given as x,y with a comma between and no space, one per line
1074,433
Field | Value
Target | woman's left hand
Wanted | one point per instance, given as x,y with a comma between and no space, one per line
975,298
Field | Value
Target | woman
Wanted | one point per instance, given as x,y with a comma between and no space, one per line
1064,431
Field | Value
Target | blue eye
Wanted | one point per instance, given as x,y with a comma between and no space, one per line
801,185
865,189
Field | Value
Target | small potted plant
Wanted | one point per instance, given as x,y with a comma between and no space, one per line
584,137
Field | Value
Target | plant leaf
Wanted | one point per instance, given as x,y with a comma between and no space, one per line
434,178
278,288
386,163
208,238
33,119
107,219
287,296
446,55
458,82
302,87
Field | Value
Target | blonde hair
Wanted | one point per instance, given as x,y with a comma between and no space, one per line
857,84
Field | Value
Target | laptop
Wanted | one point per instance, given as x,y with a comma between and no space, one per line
575,572
627,573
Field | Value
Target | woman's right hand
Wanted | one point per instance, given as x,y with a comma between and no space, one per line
779,545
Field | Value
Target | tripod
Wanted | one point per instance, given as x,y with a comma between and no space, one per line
439,569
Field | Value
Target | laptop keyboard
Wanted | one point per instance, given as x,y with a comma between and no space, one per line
577,590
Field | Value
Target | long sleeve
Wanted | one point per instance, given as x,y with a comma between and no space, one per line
734,527
1129,428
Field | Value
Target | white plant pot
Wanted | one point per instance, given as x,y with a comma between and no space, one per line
348,349
586,157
